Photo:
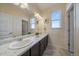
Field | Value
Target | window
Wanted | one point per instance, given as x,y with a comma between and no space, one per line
55,19
32,22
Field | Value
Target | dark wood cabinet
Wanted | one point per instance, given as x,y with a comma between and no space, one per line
38,49
42,46
35,50
46,38
27,53
45,45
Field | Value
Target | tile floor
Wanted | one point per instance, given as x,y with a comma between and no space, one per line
55,51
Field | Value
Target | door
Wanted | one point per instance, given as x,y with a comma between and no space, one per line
71,31
24,27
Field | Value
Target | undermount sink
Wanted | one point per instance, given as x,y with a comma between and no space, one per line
20,44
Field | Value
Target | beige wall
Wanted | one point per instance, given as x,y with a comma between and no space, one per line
58,37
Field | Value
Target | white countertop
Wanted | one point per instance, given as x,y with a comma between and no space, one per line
5,51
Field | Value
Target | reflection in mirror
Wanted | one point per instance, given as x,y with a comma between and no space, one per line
33,23
24,27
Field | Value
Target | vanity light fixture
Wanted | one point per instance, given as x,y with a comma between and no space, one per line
24,5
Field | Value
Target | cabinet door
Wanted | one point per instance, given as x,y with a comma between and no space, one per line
35,50
46,40
42,46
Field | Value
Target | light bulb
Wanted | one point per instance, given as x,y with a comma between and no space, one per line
24,5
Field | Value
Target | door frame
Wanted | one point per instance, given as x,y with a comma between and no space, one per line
69,9
22,26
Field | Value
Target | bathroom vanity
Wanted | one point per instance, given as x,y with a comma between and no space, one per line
35,48
38,48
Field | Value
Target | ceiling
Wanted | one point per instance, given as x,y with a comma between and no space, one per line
40,7
43,6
